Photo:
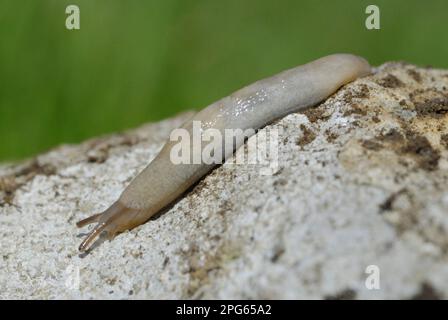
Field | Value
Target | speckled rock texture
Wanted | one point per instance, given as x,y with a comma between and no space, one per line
362,180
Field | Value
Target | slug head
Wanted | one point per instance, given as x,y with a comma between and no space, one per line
117,218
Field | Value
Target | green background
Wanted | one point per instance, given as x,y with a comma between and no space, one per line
136,61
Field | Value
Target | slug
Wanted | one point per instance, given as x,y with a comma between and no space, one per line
254,106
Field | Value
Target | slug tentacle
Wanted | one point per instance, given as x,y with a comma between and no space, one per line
89,220
99,228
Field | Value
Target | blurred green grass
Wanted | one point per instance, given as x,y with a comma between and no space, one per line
137,61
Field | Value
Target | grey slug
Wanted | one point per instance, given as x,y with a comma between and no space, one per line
253,106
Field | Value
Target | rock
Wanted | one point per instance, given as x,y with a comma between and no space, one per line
362,181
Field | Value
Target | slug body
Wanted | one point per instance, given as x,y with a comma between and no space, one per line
251,107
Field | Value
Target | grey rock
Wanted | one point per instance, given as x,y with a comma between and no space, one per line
362,180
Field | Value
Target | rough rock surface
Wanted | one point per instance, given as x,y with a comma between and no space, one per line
362,180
